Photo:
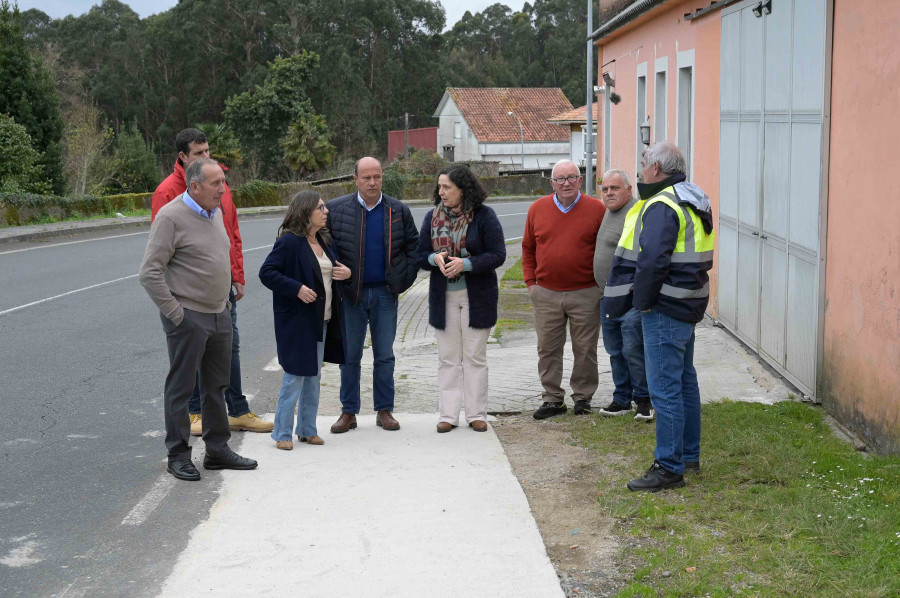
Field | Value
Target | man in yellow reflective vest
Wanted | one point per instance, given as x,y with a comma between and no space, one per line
661,268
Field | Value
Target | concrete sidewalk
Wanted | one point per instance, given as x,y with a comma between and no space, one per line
371,513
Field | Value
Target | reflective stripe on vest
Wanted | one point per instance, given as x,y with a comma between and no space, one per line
693,245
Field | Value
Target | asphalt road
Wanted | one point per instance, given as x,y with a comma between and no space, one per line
86,508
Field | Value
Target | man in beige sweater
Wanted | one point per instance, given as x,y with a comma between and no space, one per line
187,273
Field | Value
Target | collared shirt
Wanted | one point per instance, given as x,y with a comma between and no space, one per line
189,201
562,208
362,202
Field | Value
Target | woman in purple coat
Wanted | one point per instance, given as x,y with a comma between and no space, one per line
462,244
300,271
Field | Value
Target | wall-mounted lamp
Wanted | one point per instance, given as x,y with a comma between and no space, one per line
757,10
614,97
763,8
645,131
609,80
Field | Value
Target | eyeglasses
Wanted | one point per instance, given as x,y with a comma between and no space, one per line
562,179
321,207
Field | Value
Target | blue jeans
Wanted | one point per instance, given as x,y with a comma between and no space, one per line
669,352
623,339
234,396
377,309
306,390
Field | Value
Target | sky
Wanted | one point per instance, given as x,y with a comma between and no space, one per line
60,8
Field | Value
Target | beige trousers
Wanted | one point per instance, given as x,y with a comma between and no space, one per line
462,371
552,310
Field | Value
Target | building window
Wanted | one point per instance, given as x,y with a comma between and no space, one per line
457,130
685,123
641,114
659,107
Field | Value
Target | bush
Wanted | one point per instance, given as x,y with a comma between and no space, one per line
133,167
19,162
23,208
394,182
255,194
420,162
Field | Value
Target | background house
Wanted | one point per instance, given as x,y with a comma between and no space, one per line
422,138
576,121
779,106
475,124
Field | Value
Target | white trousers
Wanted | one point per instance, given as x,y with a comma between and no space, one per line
462,372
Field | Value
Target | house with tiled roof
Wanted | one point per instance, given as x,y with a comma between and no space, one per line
506,125
575,120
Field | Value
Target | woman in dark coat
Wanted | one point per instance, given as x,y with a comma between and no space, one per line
300,271
462,244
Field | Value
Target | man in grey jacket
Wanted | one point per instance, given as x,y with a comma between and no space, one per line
622,337
186,271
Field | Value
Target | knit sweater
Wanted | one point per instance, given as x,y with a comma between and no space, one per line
186,264
557,247
607,241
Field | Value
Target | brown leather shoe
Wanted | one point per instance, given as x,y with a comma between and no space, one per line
478,425
347,421
385,420
317,440
444,427
285,445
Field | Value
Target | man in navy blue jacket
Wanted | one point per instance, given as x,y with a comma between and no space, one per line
671,290
375,236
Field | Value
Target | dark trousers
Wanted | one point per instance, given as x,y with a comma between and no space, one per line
234,395
202,342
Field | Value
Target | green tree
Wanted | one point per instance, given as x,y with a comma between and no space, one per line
223,145
19,162
87,138
27,95
261,117
132,166
307,145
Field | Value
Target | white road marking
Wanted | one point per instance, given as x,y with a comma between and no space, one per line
151,500
93,286
22,556
73,242
273,366
255,248
516,214
513,239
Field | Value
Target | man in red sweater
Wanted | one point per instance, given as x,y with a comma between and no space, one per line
558,261
192,145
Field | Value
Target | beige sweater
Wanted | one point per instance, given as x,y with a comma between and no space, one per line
186,264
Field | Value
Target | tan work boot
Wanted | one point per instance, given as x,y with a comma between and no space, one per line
250,422
196,424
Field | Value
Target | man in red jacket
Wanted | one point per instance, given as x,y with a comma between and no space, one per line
192,145
558,264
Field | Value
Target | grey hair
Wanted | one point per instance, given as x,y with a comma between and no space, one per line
667,155
194,172
563,163
621,173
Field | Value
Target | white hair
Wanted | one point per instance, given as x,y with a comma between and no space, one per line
563,163
667,155
194,172
625,180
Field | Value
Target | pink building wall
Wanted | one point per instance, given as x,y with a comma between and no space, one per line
664,32
861,362
424,138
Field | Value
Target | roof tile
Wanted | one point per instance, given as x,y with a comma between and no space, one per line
485,110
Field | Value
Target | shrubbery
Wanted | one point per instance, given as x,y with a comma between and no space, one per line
255,194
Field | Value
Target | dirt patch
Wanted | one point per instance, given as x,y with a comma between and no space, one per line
560,482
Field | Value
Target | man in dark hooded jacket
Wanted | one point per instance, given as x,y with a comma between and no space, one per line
661,268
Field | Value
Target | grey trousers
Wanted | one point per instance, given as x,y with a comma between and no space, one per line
201,343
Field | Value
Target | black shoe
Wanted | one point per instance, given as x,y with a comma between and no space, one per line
692,467
615,409
657,478
645,412
184,469
229,460
549,410
582,407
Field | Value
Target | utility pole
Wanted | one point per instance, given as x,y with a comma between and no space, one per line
406,133
521,135
589,130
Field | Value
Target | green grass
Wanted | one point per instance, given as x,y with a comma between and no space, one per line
505,325
513,277
782,508
48,219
